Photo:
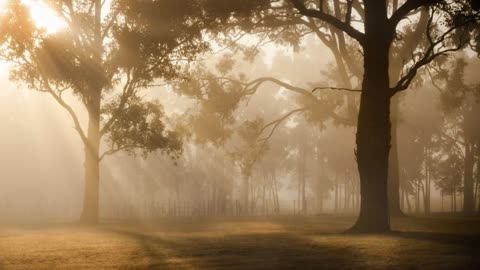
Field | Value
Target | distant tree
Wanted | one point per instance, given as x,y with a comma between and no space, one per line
459,100
448,173
105,56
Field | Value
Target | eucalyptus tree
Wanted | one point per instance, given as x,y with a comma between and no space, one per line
109,52
374,28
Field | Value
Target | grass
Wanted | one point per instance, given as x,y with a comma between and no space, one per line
243,243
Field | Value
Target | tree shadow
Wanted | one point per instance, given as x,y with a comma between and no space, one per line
249,251
285,250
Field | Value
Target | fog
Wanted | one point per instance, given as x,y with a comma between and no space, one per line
42,156
258,134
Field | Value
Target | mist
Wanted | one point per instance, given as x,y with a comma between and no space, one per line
164,128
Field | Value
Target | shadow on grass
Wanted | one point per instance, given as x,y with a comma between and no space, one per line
263,251
396,250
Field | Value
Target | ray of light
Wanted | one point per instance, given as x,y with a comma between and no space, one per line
44,16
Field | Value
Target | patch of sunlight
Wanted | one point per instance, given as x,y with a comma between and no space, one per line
71,248
44,16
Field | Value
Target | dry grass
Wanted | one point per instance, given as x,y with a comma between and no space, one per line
241,243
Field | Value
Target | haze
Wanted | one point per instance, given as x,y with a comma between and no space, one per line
256,134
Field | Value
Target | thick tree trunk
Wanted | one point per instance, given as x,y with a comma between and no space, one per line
373,132
90,211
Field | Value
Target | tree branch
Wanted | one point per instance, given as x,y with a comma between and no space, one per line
277,122
343,26
336,88
406,8
431,53
128,90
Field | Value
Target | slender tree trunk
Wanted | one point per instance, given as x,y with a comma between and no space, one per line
454,201
274,179
393,170
336,192
426,194
402,199
395,74
90,212
374,128
245,195
451,203
304,183
468,200
407,199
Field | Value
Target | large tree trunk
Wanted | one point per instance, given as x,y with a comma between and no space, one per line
373,132
92,165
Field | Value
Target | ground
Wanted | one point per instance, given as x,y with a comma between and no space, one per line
314,242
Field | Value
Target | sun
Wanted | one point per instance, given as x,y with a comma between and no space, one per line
43,15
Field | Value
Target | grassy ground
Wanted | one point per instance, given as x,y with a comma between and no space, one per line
243,243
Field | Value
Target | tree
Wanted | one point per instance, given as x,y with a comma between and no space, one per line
374,127
276,20
461,108
105,59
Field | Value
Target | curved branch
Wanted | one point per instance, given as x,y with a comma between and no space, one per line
259,81
67,107
431,53
277,122
406,8
319,14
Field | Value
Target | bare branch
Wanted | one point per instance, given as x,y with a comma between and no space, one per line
277,123
343,26
432,52
406,8
348,15
336,88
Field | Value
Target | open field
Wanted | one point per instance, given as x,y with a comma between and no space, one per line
243,243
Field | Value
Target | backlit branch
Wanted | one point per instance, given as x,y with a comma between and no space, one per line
337,23
436,48
276,123
406,8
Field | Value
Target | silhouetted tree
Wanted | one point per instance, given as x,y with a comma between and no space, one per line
373,133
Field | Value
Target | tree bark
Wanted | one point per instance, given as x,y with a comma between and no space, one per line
373,132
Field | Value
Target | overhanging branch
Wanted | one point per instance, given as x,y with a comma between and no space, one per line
337,23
